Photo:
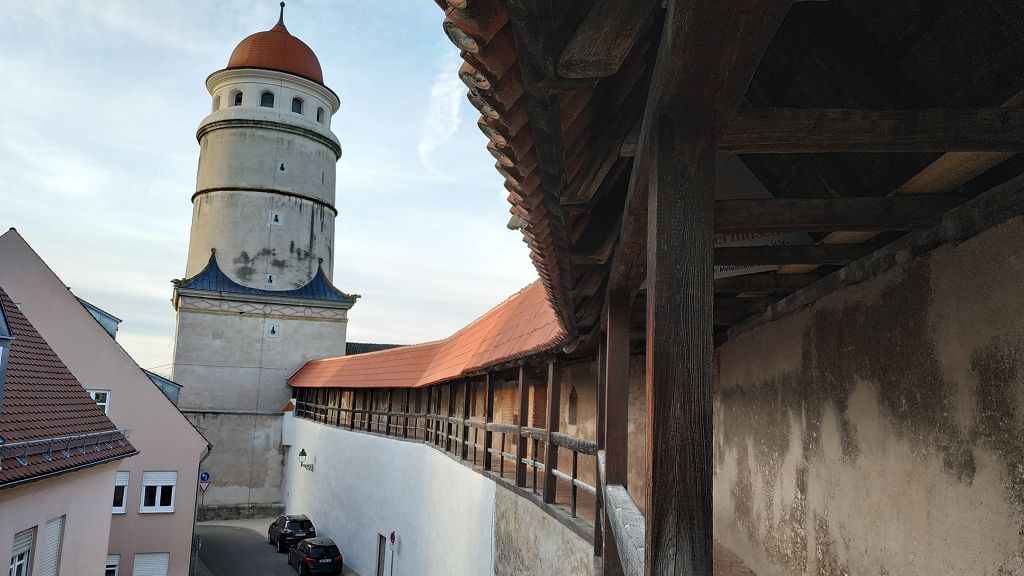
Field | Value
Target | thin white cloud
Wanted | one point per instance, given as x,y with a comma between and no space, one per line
442,119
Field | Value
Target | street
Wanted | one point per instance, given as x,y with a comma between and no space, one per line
234,551
239,548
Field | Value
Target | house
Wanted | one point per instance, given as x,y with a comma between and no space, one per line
59,455
153,514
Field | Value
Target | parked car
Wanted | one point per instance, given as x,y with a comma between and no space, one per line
287,530
316,556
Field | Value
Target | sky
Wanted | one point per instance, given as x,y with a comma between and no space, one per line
98,157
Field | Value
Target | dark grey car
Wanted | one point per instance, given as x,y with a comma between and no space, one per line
287,530
316,556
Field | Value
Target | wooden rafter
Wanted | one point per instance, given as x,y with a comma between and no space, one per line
817,254
787,130
824,215
604,38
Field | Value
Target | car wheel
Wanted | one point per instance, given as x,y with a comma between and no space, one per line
280,546
269,539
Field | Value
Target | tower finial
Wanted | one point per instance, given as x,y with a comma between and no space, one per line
280,20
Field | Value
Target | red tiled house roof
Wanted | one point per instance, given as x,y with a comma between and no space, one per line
522,325
42,400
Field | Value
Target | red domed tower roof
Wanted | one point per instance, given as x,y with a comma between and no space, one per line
277,49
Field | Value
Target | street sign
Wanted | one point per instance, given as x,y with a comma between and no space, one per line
203,486
204,476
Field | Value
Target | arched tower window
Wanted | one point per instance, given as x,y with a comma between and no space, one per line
297,105
320,115
216,102
236,98
267,100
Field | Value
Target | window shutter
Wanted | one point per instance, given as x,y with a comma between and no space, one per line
159,478
49,559
121,479
151,564
23,541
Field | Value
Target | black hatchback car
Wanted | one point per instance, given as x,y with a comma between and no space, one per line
316,556
287,530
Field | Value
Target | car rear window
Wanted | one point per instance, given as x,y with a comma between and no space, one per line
299,525
324,551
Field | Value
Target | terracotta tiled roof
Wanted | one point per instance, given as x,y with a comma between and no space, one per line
522,325
277,49
43,400
482,31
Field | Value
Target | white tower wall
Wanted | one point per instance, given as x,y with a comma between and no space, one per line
265,186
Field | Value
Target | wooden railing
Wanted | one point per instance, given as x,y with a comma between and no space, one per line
625,523
466,439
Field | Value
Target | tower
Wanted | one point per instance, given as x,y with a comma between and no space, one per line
257,298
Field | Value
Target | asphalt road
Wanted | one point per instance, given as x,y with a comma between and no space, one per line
231,551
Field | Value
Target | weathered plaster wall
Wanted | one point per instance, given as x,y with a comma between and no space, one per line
245,466
880,430
529,542
233,376
449,520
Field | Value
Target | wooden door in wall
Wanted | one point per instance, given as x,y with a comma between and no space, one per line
382,550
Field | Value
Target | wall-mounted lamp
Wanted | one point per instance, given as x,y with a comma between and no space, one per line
302,460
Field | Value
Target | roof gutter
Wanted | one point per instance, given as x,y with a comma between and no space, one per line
31,479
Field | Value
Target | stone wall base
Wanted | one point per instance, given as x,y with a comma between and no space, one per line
239,511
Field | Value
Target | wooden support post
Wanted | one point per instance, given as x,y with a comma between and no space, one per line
405,411
575,471
448,420
488,419
524,406
352,413
369,409
551,425
599,497
616,398
467,389
387,419
680,280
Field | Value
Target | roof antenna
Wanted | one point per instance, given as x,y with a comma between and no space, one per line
280,20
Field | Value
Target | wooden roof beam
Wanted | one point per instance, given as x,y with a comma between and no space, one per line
707,56
824,215
763,283
788,130
604,38
817,254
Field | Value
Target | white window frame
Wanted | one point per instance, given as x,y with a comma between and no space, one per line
23,559
121,479
113,561
161,486
106,404
141,561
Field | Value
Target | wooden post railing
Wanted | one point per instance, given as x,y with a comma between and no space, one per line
524,407
551,425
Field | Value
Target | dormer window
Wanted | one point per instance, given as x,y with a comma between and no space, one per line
267,100
320,115
236,98
297,105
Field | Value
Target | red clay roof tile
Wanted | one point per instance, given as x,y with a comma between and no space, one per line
523,324
43,400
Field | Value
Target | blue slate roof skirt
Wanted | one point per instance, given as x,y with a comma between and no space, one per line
213,279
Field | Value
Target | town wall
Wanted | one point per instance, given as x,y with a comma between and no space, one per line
445,515
880,430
